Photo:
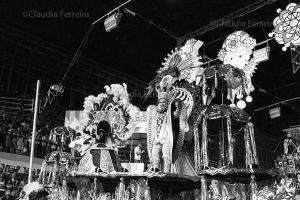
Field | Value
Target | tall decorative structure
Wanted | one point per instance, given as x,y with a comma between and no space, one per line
224,143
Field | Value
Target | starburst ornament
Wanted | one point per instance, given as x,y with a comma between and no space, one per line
287,26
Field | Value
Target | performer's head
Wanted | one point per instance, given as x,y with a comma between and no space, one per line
163,90
162,105
103,131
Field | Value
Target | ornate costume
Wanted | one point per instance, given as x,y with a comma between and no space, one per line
167,124
109,116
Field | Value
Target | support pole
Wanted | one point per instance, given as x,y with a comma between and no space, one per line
34,130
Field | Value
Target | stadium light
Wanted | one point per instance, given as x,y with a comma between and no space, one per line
112,21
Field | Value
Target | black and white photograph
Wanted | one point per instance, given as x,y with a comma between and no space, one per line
149,100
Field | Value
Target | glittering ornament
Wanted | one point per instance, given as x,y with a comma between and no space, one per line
241,104
287,26
249,99
236,49
239,96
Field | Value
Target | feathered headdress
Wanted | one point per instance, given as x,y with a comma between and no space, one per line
33,190
180,64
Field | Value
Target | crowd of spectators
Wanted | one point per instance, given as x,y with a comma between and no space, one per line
11,184
15,137
12,180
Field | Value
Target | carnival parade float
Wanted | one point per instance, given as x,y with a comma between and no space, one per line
200,142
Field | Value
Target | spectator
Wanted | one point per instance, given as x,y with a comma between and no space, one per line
2,138
38,146
13,146
26,146
29,142
20,144
8,138
138,153
15,138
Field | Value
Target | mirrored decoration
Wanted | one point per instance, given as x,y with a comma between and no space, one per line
287,26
